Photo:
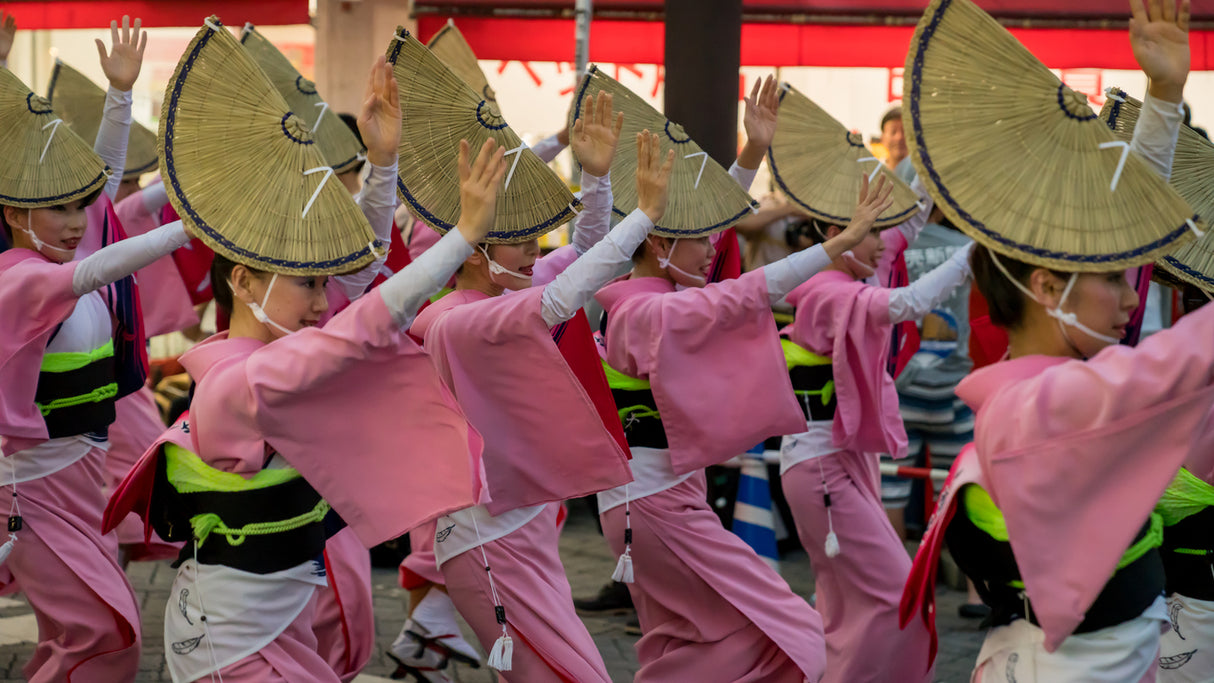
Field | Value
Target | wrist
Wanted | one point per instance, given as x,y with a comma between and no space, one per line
562,136
382,158
654,215
751,156
1167,90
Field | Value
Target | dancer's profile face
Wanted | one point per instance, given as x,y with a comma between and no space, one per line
61,227
1101,301
295,302
870,249
691,256
519,258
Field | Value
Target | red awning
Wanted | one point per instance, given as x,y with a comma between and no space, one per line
782,44
1048,10
59,14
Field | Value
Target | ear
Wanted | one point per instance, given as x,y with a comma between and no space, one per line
242,284
833,231
1046,286
658,245
15,217
477,257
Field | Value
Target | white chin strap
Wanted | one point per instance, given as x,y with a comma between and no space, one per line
259,312
665,263
39,244
496,268
858,267
1064,318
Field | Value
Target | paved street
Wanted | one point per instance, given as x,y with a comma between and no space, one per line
588,562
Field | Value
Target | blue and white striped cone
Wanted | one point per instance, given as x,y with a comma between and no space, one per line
753,518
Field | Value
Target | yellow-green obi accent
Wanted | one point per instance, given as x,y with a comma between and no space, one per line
1185,496
76,390
637,409
985,515
813,380
187,473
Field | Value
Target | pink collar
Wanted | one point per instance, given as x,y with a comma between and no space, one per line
980,384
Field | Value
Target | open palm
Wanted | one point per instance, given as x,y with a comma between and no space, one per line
121,65
8,31
379,120
1159,36
596,134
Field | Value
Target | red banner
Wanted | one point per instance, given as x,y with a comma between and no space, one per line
61,14
642,42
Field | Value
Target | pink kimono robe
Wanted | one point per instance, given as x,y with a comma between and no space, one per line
88,615
1062,445
671,339
859,589
298,395
501,361
709,607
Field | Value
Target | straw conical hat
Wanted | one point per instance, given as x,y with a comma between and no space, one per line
451,47
1015,158
704,198
438,109
81,103
273,206
337,143
1193,178
820,165
43,162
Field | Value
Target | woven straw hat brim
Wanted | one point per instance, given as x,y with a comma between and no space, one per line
338,144
1193,179
820,165
245,172
438,109
81,102
1013,157
43,163
704,198
453,49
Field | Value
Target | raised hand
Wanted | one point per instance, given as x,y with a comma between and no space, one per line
1159,37
122,64
595,135
653,176
873,202
479,182
761,112
8,31
759,120
379,120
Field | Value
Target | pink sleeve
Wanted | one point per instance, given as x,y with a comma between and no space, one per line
363,364
552,264
895,246
1118,382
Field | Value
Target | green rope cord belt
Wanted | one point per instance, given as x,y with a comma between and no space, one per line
97,395
207,523
631,414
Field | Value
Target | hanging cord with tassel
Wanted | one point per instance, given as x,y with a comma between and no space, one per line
502,654
832,541
206,627
623,568
14,523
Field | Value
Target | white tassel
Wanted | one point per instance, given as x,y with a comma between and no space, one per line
623,568
502,654
7,548
832,544
832,541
